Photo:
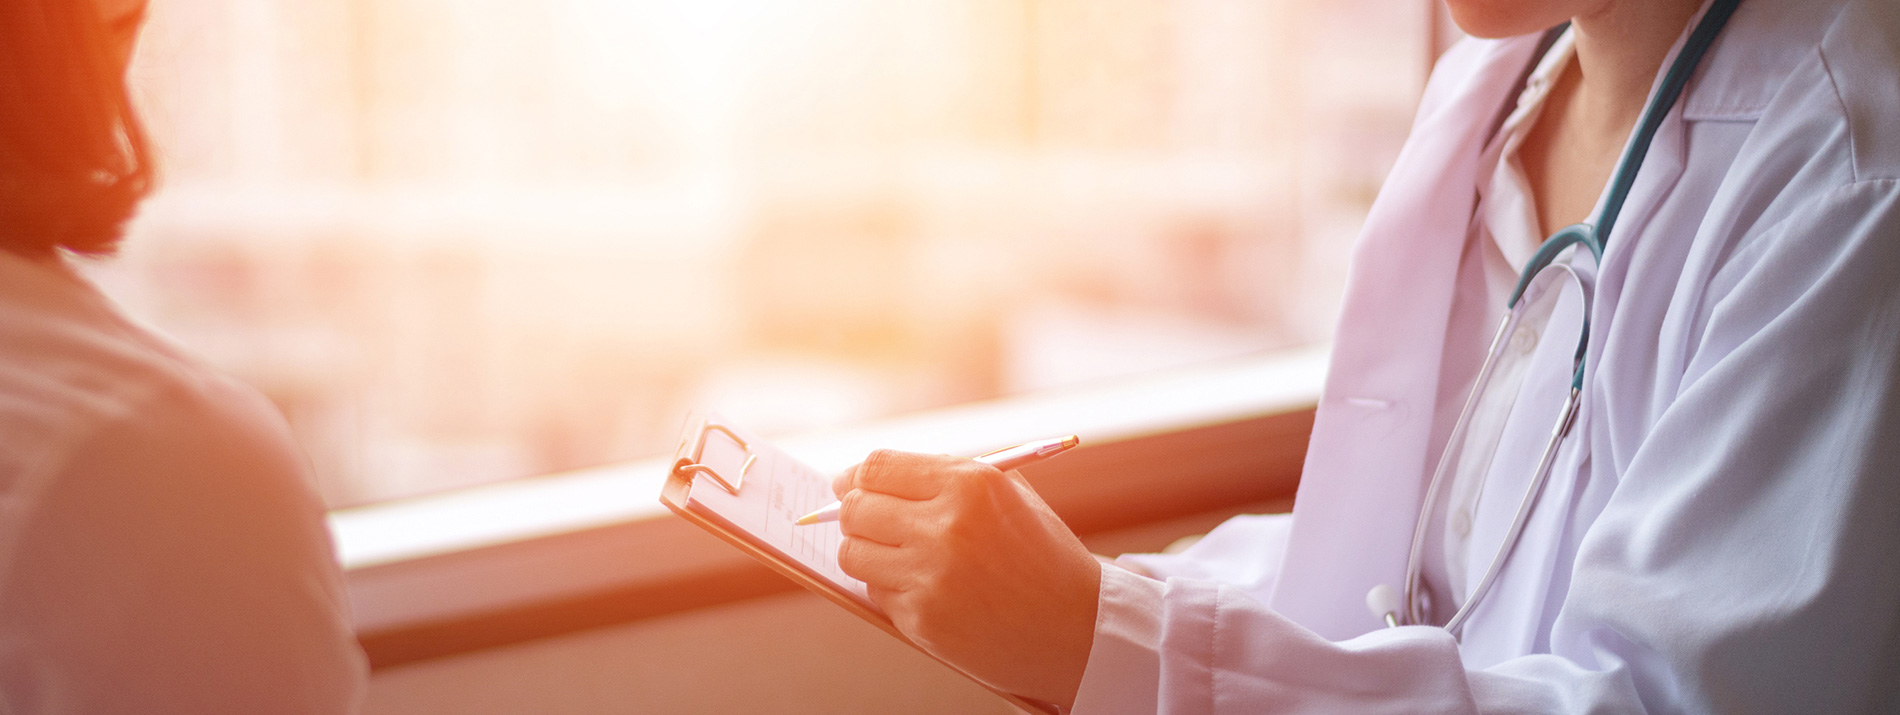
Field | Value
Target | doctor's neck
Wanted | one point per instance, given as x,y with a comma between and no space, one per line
1620,49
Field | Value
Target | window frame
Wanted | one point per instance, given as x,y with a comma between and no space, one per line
1163,455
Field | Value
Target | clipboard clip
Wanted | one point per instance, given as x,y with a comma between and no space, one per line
691,464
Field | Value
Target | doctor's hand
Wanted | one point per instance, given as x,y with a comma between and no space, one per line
973,566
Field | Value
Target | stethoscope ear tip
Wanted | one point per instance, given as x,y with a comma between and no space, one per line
1383,600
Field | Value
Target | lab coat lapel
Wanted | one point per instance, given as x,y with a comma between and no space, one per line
1367,462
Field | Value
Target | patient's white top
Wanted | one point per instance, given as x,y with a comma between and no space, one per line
160,548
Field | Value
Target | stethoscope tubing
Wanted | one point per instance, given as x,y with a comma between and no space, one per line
1595,236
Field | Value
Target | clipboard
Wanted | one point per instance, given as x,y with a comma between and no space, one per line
725,467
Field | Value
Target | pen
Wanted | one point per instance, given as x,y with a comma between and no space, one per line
1004,459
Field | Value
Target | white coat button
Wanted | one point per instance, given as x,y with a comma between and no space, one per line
1461,523
1524,341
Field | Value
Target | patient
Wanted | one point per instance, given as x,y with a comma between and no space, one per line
160,548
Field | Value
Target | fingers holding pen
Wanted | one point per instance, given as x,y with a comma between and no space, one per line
895,509
878,517
881,567
970,564
918,477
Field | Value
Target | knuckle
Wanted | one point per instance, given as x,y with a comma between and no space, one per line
973,478
851,556
934,527
873,472
930,582
852,513
922,577
962,522
844,482
875,461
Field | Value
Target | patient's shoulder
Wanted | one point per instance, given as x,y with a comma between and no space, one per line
74,368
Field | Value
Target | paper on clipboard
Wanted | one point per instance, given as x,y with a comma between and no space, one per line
773,490
749,494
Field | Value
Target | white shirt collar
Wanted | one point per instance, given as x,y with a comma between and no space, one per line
1506,208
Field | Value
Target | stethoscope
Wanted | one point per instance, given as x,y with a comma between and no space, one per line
1541,288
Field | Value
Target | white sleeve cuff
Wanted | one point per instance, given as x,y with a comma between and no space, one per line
1244,552
1124,668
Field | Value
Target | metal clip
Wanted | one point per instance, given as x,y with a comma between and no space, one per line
691,466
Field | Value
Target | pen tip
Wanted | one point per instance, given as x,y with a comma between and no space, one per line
1070,441
807,519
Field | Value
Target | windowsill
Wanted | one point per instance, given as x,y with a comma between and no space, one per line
494,565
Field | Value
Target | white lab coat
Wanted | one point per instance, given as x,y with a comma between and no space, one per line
1720,531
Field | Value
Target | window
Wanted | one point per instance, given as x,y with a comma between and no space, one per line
459,242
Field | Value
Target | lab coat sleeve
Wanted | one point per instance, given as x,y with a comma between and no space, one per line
1744,562
1244,551
1188,646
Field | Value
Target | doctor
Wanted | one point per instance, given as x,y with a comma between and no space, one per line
1719,525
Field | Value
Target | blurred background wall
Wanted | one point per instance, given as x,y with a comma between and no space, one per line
460,241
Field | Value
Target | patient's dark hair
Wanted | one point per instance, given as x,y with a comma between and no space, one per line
73,159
